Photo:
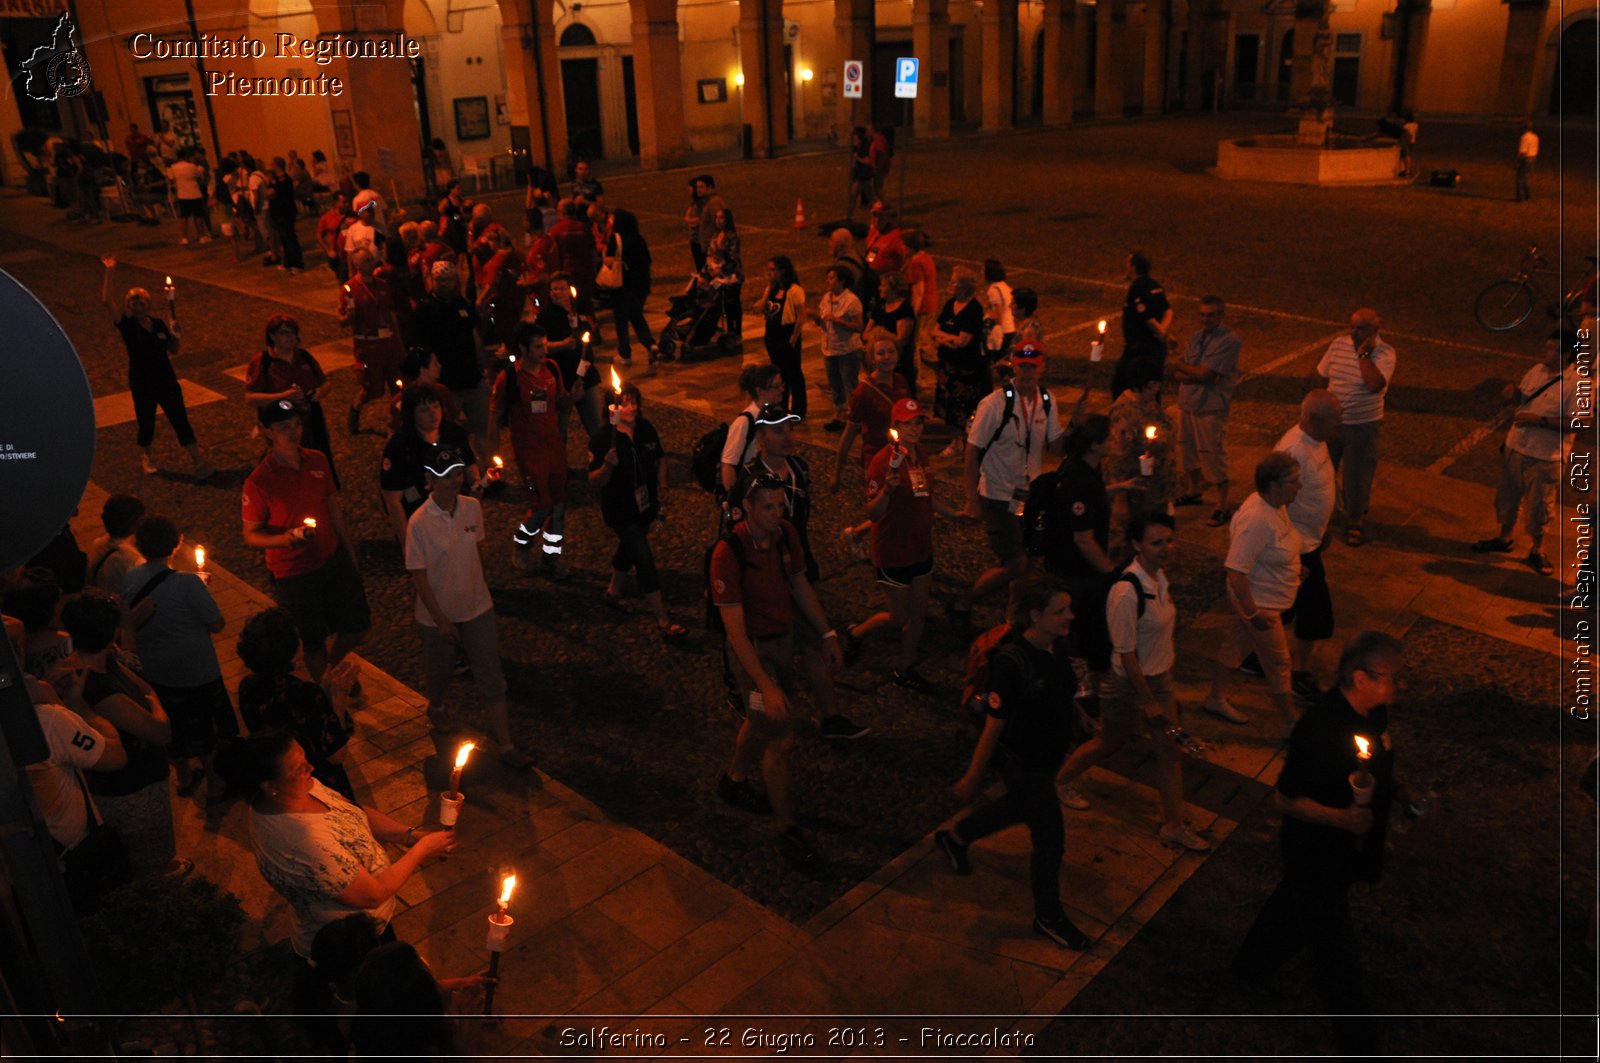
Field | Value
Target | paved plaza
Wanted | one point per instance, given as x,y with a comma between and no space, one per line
648,903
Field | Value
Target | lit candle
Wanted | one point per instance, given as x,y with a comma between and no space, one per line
399,385
461,762
1097,347
499,469
897,454
1361,781
499,932
310,523
572,290
172,299
583,350
199,558
1147,460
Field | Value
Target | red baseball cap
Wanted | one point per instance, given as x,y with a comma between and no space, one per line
1027,353
907,410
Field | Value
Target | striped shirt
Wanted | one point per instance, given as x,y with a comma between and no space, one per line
1343,370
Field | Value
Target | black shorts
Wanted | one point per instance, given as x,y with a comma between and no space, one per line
1090,638
191,208
1312,611
330,600
1003,529
904,576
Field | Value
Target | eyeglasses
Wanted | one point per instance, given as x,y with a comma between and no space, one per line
1398,678
765,482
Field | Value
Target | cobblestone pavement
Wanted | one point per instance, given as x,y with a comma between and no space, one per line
638,727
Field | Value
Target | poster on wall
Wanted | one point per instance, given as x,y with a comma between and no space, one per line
472,117
713,90
344,134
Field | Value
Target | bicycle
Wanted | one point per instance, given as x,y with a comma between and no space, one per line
1507,303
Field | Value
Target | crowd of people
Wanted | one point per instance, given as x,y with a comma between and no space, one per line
462,331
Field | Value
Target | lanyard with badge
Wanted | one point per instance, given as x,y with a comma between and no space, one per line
1019,494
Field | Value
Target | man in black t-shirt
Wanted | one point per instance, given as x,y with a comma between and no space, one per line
1146,321
1333,835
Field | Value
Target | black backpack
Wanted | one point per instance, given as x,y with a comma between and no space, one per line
1011,411
713,611
705,460
1036,512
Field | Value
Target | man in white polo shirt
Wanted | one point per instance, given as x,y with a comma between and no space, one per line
1311,514
453,604
1543,410
1357,368
1011,431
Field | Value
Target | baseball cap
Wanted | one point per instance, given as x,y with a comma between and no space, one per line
443,269
276,412
1027,353
907,410
364,199
444,461
773,413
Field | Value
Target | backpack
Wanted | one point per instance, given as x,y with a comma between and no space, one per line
1011,411
705,460
713,611
975,678
1139,595
1036,514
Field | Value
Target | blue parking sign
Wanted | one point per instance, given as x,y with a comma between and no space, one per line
905,77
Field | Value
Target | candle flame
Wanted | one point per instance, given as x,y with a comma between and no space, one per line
169,280
506,886
499,462
310,522
894,434
1102,326
399,384
572,290
463,753
616,381
585,337
1150,431
199,557
1361,748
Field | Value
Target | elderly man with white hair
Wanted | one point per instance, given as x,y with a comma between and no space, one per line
1357,368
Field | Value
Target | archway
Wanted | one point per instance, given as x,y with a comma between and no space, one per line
1573,94
580,91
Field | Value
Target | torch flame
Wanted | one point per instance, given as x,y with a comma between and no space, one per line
398,384
1361,748
1102,326
310,522
616,381
894,434
585,337
1150,431
463,753
499,462
199,557
506,886
572,289
169,280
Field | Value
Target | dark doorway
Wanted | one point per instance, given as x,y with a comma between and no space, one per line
1286,62
1346,77
958,81
419,89
887,111
1246,58
1575,86
630,104
580,88
1038,73
788,90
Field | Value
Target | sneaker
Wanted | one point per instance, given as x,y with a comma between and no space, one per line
1060,930
1539,563
849,646
1305,686
1252,666
797,848
1181,835
743,795
352,421
834,425
841,728
1071,797
953,851
522,557
147,465
1222,708
911,680
556,568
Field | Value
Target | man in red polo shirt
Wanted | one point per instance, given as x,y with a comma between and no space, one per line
291,510
530,397
758,583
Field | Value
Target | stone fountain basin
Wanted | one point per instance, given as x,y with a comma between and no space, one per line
1280,158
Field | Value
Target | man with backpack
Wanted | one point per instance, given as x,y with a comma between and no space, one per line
758,584
1011,431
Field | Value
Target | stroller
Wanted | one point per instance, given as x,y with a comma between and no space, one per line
694,331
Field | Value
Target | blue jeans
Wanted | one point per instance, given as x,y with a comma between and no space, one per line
843,372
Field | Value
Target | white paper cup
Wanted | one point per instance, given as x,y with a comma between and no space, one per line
450,808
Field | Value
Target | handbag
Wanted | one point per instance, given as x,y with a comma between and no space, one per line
610,275
96,865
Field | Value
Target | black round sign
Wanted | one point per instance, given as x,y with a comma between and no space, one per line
46,425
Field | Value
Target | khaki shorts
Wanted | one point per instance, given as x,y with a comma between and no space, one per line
1202,438
1271,648
777,657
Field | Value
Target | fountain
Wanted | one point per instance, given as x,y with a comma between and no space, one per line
1313,154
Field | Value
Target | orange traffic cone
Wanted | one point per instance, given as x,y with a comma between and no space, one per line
799,214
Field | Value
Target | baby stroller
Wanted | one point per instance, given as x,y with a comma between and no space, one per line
693,331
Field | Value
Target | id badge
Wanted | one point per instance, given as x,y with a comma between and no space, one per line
919,482
641,498
538,402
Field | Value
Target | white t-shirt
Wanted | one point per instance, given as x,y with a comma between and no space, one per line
838,336
110,562
447,546
1150,635
1001,309
312,857
186,180
1558,401
1264,546
358,235
1529,145
1343,370
1312,508
738,449
74,746
1018,453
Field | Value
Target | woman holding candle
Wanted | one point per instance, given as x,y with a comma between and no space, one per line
784,306
1134,451
321,853
870,407
569,324
628,465
286,370
151,344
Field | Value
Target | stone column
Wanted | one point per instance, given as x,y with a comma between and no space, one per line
1519,60
1155,59
1110,24
382,100
930,42
854,27
530,57
761,63
1058,70
658,85
999,21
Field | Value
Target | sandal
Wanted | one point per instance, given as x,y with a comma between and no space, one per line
1539,563
1492,546
617,603
671,632
1188,500
1218,518
1354,535
180,867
